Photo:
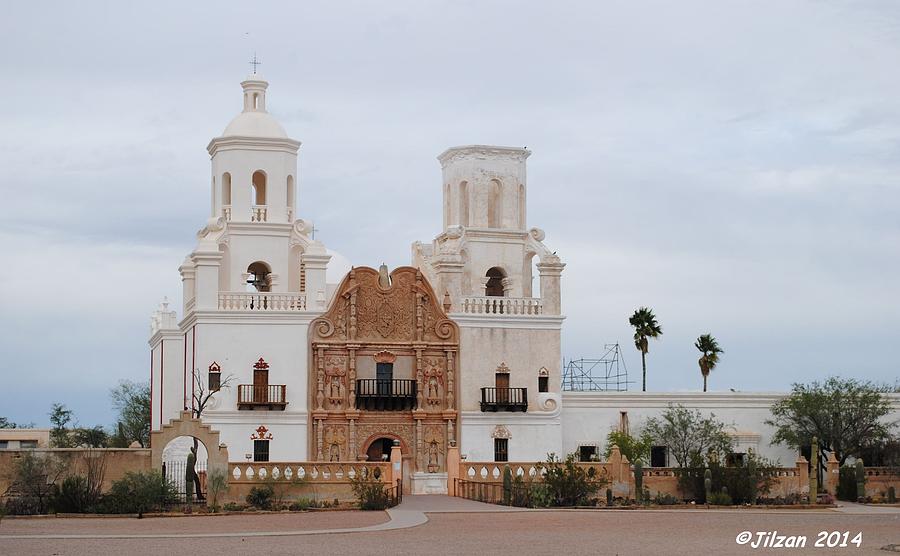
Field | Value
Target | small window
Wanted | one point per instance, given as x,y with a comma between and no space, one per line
260,450
658,456
28,444
4,444
215,377
543,384
735,459
587,453
501,449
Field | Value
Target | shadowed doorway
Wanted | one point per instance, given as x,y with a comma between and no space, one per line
380,449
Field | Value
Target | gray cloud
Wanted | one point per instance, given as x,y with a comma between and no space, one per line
734,166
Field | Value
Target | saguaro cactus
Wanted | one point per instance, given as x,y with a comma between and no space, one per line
707,484
189,477
507,485
860,479
814,470
609,497
638,481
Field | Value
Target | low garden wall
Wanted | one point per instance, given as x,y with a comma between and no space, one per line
117,461
314,480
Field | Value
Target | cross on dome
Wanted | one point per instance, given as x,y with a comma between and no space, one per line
255,62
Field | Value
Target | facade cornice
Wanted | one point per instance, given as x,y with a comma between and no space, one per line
166,334
722,400
511,418
526,322
232,143
229,417
482,152
493,234
260,228
255,317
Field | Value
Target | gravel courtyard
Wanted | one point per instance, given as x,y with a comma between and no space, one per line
458,527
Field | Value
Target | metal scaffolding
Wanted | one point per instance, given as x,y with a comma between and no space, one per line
607,374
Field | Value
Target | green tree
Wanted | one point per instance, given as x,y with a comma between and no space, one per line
91,437
847,416
7,424
60,417
635,448
132,401
710,349
689,435
645,327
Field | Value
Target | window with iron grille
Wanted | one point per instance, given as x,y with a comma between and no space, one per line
543,384
260,450
501,449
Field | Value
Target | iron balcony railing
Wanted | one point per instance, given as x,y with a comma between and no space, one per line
504,399
266,396
378,394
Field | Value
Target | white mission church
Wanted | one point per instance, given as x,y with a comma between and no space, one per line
455,348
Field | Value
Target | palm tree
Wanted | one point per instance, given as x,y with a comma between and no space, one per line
645,326
710,349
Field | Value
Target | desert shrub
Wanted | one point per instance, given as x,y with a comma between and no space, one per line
370,495
33,479
216,484
302,504
261,497
139,492
74,496
232,507
567,483
720,499
540,495
665,499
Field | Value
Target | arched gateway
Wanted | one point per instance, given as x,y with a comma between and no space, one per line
187,425
383,362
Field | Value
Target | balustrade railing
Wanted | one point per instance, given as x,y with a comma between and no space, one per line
488,305
504,399
376,394
262,301
258,213
255,396
311,471
226,212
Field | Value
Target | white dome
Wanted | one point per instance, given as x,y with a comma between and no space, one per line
255,124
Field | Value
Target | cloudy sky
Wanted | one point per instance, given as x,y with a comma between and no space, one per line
733,165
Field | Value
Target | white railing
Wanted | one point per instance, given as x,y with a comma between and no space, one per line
486,305
226,212
258,213
261,301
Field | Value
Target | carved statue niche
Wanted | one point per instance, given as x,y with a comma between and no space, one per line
335,387
434,447
433,375
336,442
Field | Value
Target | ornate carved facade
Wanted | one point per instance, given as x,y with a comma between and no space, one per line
384,359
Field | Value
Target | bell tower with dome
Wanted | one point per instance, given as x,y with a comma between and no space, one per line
251,286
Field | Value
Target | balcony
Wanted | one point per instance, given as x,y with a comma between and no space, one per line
270,396
488,305
504,399
375,394
261,301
